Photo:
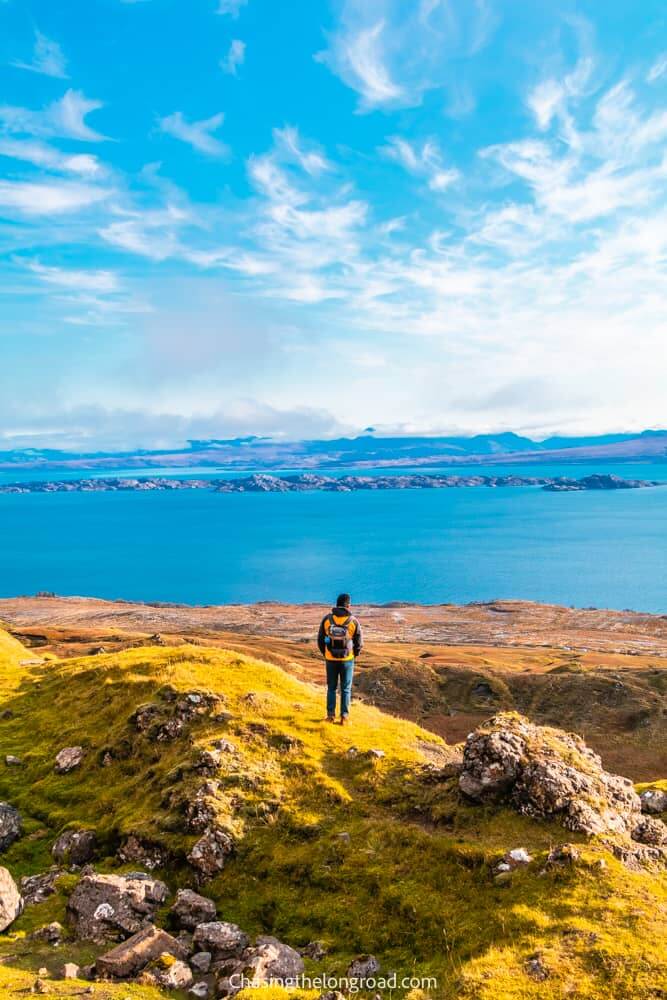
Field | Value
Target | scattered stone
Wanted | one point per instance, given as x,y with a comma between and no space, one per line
37,888
146,853
12,761
11,827
519,856
6,714
221,939
145,716
43,971
344,836
209,854
536,969
650,830
564,854
377,754
546,773
70,970
67,759
112,907
75,847
653,800
208,761
199,990
334,994
173,975
52,933
363,967
201,962
39,986
314,950
270,959
190,909
132,956
11,903
225,746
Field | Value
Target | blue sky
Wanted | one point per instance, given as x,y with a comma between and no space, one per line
223,217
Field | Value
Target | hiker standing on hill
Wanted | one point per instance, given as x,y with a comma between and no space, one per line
339,642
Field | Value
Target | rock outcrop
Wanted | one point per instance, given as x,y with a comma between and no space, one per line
11,903
190,909
548,774
10,825
113,907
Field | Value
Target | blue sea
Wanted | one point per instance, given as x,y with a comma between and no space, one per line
602,549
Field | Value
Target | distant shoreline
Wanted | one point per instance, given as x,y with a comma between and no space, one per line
314,482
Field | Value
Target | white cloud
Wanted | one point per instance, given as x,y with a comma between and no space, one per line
40,154
423,160
75,278
49,197
311,160
199,134
65,118
391,54
232,7
47,58
658,69
234,58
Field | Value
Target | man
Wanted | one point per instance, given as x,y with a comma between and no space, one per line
339,642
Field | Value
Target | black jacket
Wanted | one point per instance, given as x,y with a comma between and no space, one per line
357,641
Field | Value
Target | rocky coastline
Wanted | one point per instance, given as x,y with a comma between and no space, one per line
308,482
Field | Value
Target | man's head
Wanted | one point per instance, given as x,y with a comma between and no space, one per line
343,601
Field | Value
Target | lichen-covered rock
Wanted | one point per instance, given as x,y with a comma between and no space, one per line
272,960
650,830
10,825
133,955
74,847
68,759
11,903
146,853
173,975
653,800
190,909
209,855
37,888
363,967
113,907
547,773
201,962
52,933
221,939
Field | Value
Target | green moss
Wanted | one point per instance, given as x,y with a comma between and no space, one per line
410,881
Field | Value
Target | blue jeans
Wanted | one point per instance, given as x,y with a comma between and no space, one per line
339,671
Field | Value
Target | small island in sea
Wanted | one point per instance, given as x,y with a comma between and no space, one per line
308,481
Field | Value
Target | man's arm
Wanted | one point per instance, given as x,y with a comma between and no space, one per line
321,637
357,641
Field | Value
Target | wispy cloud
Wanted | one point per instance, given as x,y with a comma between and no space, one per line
75,278
198,134
234,58
232,7
422,160
41,154
34,198
311,160
47,58
65,118
658,69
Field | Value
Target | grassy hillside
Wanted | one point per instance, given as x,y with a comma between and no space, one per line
359,851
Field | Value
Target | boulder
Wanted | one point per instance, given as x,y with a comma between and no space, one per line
222,939
11,903
190,909
37,888
270,959
49,933
209,854
75,847
130,957
201,962
549,774
199,990
67,759
173,975
10,825
71,970
113,907
653,800
363,967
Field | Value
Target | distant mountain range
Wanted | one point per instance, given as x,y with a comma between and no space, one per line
365,451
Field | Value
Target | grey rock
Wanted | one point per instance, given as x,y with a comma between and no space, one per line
52,933
210,853
11,903
68,759
75,847
653,800
37,888
71,970
112,907
314,950
190,909
12,761
270,959
222,939
11,827
146,853
174,976
363,967
201,962
133,955
199,990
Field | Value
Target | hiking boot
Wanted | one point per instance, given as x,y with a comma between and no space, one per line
330,718
344,720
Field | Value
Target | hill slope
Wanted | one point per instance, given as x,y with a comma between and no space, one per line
365,851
